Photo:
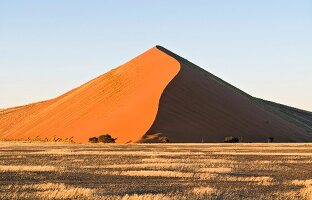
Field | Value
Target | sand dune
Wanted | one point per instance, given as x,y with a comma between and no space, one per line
122,102
198,106
157,93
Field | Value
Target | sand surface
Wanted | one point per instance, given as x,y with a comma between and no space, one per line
196,106
122,102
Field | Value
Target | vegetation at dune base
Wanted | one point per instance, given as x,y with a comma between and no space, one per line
94,140
107,139
41,139
270,139
103,138
163,139
231,139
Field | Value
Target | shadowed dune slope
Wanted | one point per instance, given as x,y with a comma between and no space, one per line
122,102
299,117
197,106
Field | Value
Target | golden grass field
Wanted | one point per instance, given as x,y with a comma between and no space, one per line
30,170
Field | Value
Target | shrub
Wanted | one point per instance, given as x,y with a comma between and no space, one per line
106,138
163,139
270,139
94,140
231,139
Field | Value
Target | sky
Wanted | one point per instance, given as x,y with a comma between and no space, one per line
263,47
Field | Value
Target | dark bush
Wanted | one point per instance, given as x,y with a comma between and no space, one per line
106,138
270,139
94,140
163,139
231,140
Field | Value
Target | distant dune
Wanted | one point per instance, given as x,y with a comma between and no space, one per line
157,94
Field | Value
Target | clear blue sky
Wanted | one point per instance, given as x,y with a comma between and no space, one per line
50,47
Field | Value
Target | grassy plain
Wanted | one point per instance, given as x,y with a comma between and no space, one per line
155,171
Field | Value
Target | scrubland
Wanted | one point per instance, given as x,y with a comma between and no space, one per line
33,170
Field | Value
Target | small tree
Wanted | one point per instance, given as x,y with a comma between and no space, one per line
93,140
231,139
163,139
107,138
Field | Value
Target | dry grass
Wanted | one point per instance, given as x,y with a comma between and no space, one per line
152,173
41,139
306,191
145,197
49,191
172,166
265,153
21,168
206,176
218,170
112,153
302,182
200,160
204,191
61,191
155,171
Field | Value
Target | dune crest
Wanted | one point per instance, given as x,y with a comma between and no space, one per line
122,102
197,106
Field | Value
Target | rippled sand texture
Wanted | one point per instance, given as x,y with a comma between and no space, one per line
122,102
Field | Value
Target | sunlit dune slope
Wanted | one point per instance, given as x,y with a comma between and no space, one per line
197,106
122,102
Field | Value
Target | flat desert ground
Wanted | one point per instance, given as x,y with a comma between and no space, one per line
155,171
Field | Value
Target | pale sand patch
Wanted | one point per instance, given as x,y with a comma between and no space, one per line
16,168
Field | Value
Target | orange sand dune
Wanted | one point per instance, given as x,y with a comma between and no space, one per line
122,102
157,93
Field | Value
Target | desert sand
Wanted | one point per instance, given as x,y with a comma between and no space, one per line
122,102
157,94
